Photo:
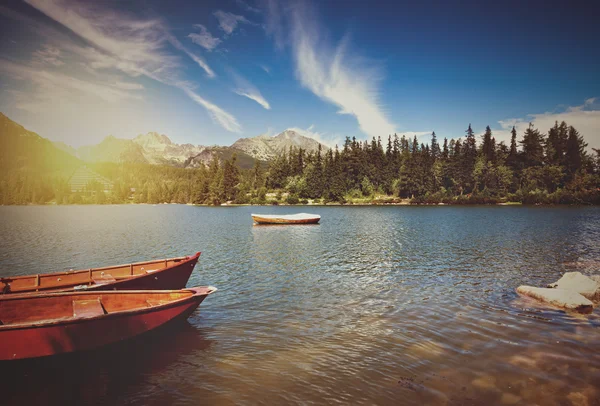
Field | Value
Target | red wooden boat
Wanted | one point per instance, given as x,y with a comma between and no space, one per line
56,323
171,273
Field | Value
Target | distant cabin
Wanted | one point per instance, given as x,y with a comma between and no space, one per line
83,177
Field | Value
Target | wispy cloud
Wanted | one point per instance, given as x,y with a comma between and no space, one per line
229,21
52,86
204,38
201,62
226,120
265,68
585,118
128,86
131,45
329,140
274,25
247,6
247,89
332,73
48,55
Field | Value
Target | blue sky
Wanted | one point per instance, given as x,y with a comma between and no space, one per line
210,72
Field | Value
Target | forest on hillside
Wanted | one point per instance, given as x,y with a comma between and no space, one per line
550,168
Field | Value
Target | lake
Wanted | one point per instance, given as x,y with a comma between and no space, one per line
375,305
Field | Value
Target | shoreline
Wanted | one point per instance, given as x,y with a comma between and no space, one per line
333,204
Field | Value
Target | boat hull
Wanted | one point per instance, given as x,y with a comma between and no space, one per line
76,335
152,275
263,220
172,278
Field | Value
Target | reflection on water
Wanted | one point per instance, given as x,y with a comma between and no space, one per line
374,305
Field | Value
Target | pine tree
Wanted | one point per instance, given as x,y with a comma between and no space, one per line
435,147
487,149
575,151
533,151
445,152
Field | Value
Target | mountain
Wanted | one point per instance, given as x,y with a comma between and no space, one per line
113,149
23,150
159,149
152,148
265,147
244,160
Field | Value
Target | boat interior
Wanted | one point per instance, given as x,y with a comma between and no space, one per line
29,310
82,278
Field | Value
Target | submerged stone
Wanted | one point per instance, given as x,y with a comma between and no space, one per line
579,283
565,298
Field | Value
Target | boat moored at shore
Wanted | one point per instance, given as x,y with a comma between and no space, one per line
171,273
44,324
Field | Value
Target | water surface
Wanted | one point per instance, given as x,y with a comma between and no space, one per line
376,305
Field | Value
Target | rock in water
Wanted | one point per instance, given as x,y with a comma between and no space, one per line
567,299
579,283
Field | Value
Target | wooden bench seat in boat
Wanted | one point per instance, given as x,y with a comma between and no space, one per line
88,308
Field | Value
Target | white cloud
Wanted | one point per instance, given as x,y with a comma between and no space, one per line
265,68
201,62
421,135
130,45
247,7
204,38
256,96
229,21
247,89
274,22
329,140
51,87
128,86
585,118
48,55
225,119
331,73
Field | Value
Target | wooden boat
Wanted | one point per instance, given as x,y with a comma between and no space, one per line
299,218
172,273
56,323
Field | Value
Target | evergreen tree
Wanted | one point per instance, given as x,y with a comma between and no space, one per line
435,147
445,152
533,151
513,155
487,148
575,151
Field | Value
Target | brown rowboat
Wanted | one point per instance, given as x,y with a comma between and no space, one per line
172,273
46,324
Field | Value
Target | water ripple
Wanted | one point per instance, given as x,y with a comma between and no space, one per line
376,305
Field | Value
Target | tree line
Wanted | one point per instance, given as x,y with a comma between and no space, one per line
554,168
550,168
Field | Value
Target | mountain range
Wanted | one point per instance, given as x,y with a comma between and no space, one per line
154,148
24,150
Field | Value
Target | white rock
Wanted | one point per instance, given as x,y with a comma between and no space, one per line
595,278
579,283
567,299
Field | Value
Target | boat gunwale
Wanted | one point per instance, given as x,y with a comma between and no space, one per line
116,314
286,216
181,261
278,220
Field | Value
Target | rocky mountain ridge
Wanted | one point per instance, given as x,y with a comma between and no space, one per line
154,148
159,149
